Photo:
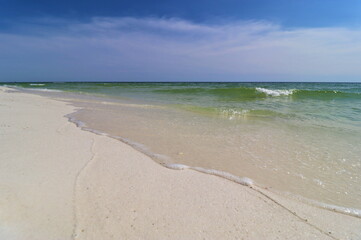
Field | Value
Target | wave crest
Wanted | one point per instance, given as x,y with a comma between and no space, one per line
275,93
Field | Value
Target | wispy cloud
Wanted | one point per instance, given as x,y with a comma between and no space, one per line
174,49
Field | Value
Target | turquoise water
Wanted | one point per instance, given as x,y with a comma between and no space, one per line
302,138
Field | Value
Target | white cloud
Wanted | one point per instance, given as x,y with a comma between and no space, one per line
175,49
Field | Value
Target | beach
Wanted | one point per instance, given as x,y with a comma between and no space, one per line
61,182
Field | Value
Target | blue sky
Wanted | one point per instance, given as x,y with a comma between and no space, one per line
290,13
244,40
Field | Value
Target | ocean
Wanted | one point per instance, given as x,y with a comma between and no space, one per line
298,139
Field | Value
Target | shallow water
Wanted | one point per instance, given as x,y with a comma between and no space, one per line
303,138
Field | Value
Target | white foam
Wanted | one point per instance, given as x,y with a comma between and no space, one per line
142,148
339,209
46,90
177,166
276,92
37,84
234,113
95,131
241,180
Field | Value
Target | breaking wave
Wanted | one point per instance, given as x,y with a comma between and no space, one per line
275,93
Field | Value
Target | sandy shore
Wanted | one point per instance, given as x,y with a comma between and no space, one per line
59,182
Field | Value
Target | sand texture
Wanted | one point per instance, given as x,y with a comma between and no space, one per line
60,182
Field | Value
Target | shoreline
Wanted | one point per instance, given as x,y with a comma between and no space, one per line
122,193
245,181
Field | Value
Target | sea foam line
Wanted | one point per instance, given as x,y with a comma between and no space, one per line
354,212
245,181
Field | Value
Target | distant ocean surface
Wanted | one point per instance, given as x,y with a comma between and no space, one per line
297,138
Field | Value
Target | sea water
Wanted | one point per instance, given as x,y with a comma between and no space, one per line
298,138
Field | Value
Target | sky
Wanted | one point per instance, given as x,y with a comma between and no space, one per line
228,40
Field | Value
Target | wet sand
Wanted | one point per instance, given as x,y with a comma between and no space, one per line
59,182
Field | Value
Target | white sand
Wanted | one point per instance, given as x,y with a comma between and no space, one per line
59,182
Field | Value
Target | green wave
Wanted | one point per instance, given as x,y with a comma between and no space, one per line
228,94
243,93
